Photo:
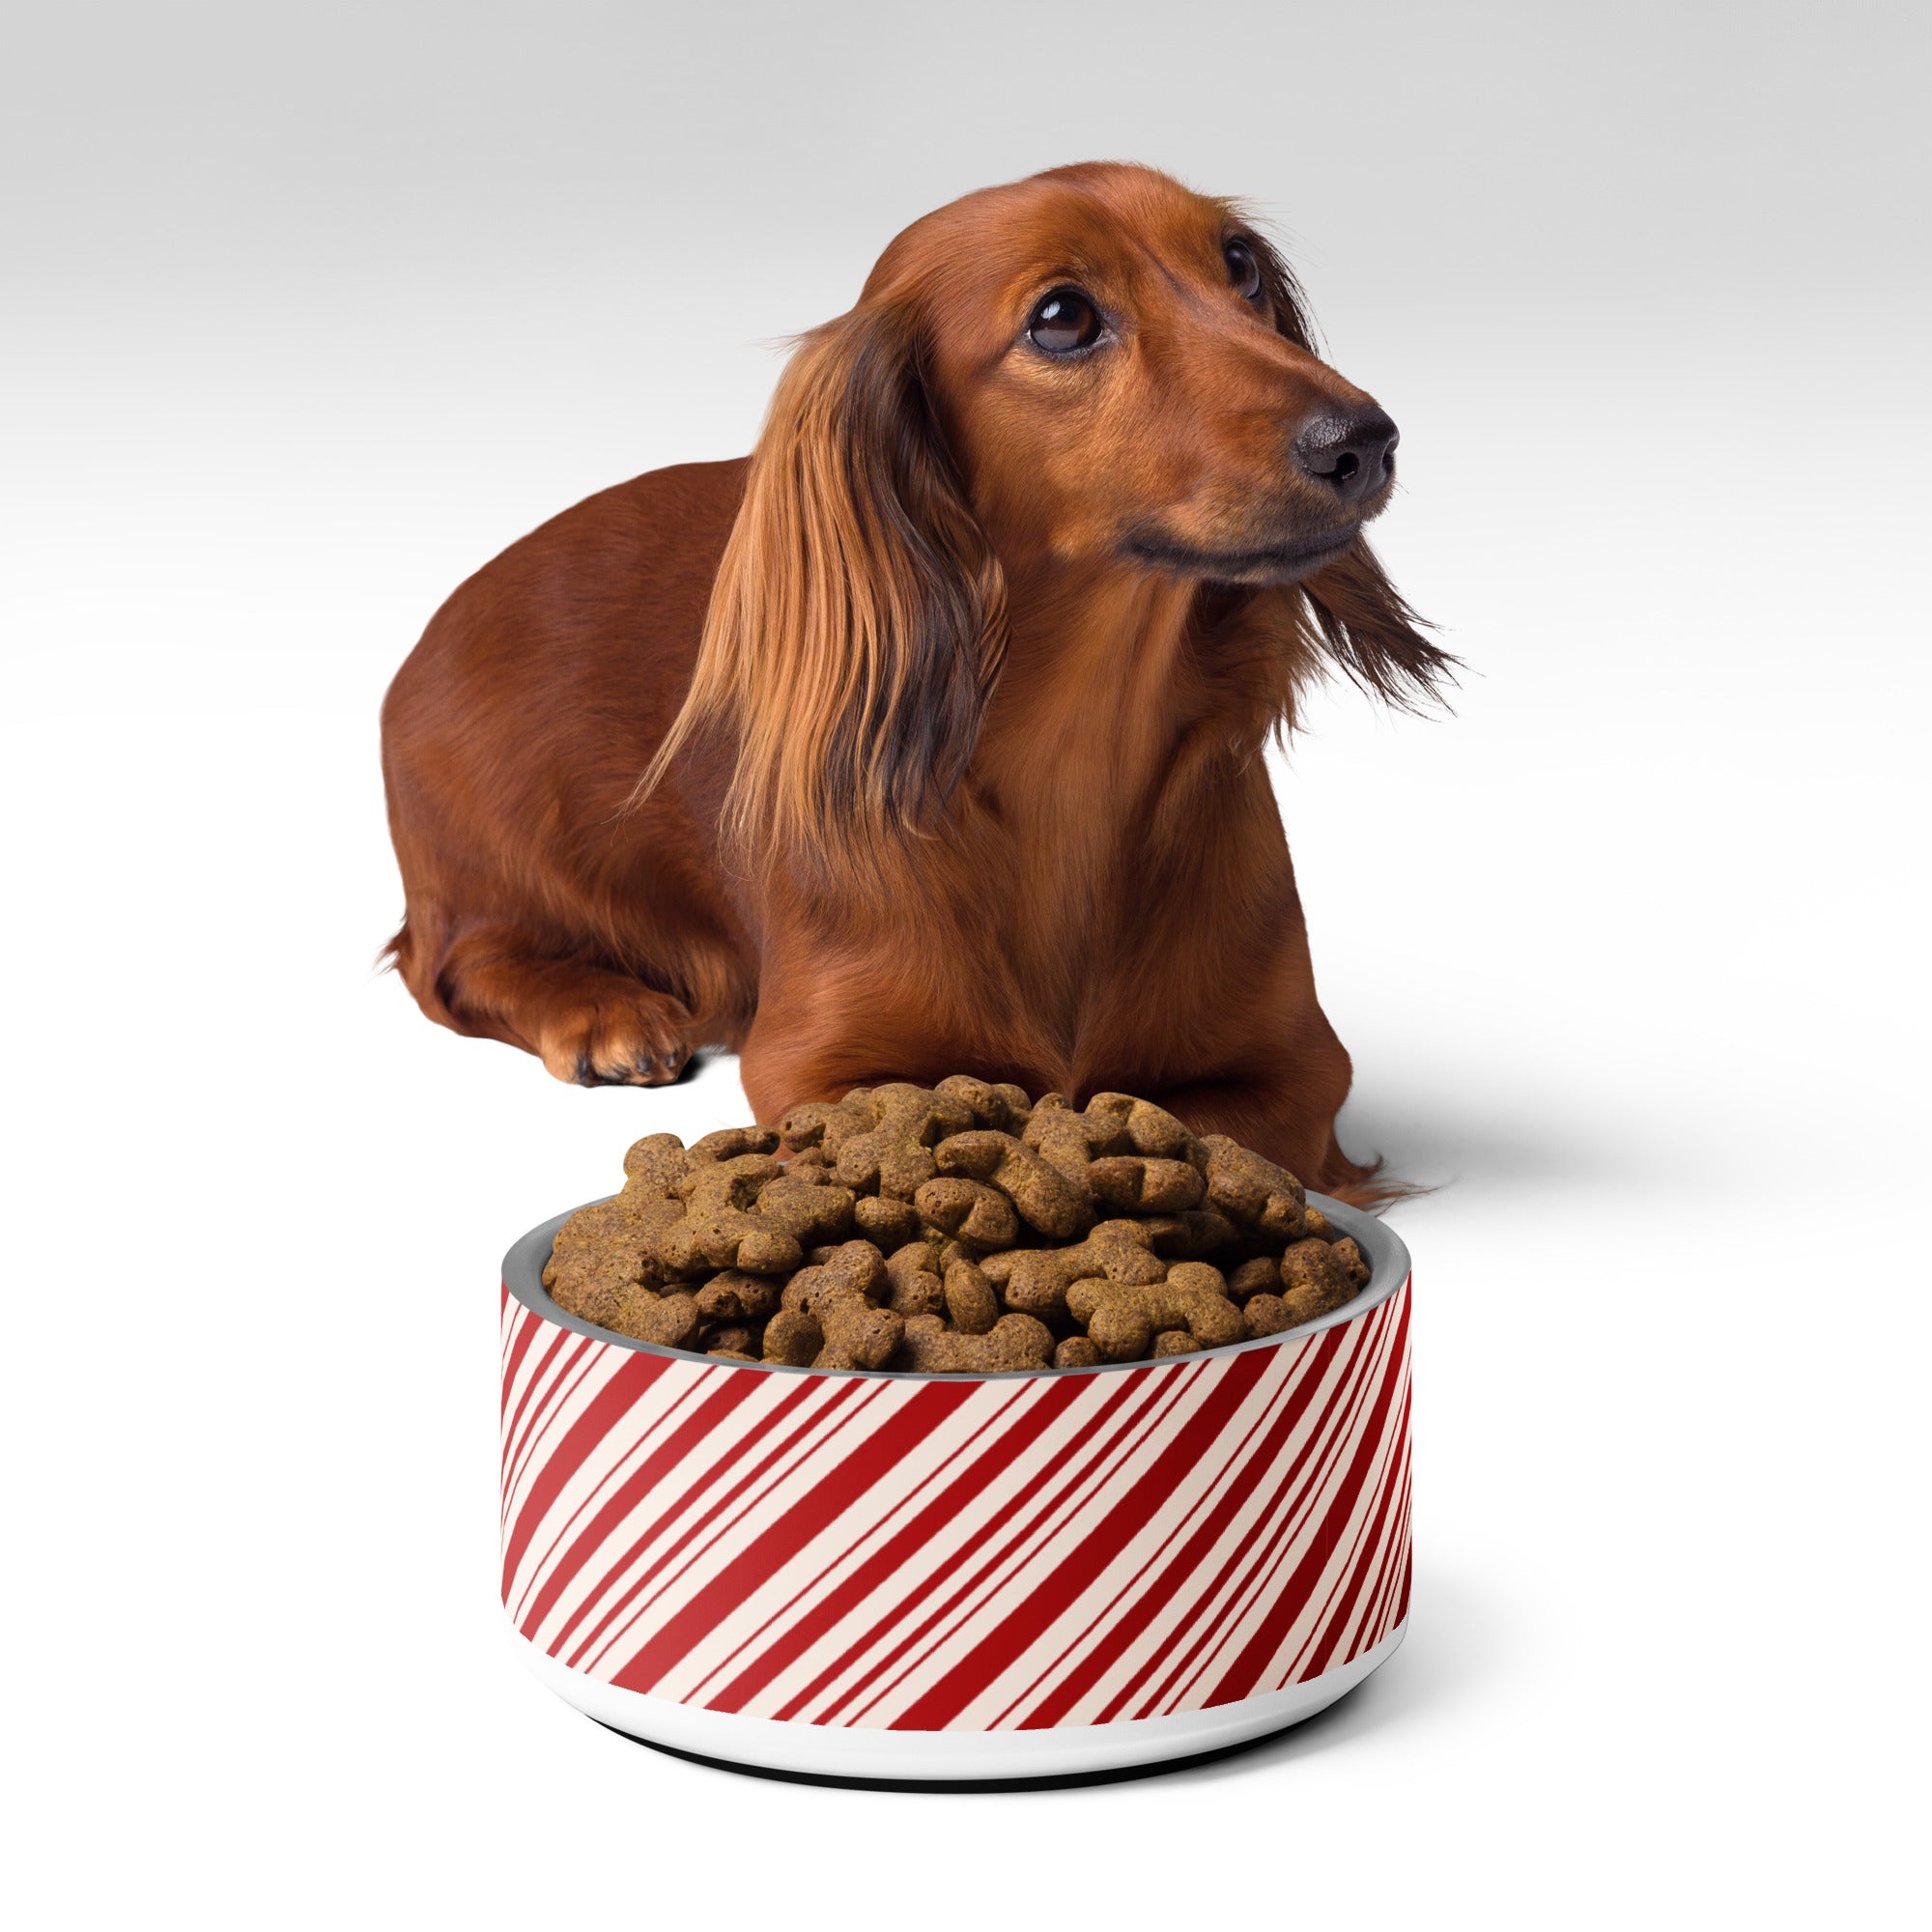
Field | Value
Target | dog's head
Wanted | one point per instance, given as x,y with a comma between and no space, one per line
1121,370
1094,371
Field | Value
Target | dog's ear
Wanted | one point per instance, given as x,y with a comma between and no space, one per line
1368,629
858,617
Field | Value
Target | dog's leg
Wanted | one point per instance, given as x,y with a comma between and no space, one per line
585,1022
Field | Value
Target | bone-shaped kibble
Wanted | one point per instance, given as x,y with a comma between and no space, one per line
604,1267
613,1244
969,1210
793,1338
1072,1142
1260,1276
719,1229
735,1296
594,1282
670,1320
1252,1191
1155,1131
886,1224
827,1124
1045,1198
838,1298
812,1215
998,1105
1266,1313
971,1301
1199,1235
742,1341
1351,1259
1135,1184
894,1156
916,1274
852,1267
1122,1319
1317,1276
1034,1279
728,1143
654,1166
811,1164
1014,1342
604,1249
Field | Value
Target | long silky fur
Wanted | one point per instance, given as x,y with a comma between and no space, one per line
858,619
1368,631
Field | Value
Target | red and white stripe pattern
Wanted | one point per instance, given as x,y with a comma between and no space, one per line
929,1555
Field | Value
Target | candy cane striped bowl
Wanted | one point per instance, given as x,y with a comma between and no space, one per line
893,1578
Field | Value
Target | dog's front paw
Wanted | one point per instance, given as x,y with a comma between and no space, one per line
640,1067
640,1042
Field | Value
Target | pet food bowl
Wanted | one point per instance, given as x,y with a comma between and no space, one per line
902,1579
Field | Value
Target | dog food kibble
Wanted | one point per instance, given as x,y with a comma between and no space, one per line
956,1230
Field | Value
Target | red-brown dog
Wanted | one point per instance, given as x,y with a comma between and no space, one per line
928,739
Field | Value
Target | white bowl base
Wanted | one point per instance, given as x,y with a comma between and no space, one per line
948,1757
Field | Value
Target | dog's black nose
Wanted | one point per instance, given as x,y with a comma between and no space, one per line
1353,454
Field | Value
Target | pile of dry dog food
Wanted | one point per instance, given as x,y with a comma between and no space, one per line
954,1229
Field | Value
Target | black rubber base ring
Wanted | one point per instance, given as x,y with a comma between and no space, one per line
1062,1782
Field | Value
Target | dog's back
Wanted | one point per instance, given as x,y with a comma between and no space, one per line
513,738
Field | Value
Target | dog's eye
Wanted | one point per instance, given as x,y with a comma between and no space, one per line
1244,270
1062,322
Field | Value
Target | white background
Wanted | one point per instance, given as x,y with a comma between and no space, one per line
310,311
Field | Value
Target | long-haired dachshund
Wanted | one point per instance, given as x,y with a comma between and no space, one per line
928,738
